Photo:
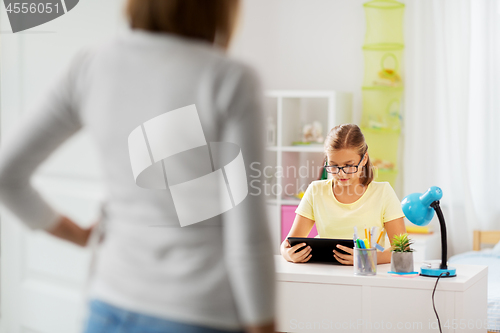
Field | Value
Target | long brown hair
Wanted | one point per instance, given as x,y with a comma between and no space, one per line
349,136
210,20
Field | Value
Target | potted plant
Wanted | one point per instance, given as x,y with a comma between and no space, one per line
402,254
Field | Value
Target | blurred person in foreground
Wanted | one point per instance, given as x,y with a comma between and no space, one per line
151,274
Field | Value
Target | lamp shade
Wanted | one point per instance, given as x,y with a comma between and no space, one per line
416,206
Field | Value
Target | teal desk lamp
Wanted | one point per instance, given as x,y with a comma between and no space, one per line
419,209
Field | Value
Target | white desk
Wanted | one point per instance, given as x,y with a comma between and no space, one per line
330,298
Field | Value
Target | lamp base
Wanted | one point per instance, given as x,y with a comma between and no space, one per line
435,272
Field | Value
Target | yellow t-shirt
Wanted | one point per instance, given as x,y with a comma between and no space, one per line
334,219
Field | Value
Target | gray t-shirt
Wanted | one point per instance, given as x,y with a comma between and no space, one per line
218,272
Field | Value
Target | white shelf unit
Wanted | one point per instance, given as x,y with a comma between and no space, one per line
290,110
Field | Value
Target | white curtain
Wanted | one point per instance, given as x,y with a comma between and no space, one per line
452,111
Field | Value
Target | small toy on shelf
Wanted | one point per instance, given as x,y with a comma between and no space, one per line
394,118
376,125
313,132
388,77
390,121
310,134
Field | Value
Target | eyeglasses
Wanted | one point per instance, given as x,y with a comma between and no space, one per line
347,169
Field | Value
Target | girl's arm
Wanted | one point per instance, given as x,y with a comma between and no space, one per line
301,228
393,227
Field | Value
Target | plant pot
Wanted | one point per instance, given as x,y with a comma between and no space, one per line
402,262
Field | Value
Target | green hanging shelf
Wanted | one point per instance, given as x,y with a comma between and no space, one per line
383,85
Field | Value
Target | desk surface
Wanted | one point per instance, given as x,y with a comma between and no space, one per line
467,275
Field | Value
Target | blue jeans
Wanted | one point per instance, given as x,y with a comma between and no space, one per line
106,318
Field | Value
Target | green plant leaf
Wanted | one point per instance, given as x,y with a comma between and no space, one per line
401,243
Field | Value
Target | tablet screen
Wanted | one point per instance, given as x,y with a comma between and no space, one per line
322,248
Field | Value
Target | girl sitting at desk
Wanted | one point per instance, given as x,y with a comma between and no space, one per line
350,199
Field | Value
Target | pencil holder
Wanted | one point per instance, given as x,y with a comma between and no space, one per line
365,261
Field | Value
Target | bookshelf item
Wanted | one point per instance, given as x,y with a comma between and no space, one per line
293,163
287,218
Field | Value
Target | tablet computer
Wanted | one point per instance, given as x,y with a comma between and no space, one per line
322,248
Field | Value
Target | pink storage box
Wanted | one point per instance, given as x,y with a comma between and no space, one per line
287,218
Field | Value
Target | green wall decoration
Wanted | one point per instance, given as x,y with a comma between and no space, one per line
382,90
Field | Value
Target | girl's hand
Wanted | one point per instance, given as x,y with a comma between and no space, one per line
302,256
265,328
68,230
345,259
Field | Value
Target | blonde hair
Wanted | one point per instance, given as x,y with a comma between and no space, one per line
210,20
349,136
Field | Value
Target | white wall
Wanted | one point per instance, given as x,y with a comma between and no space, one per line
304,44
